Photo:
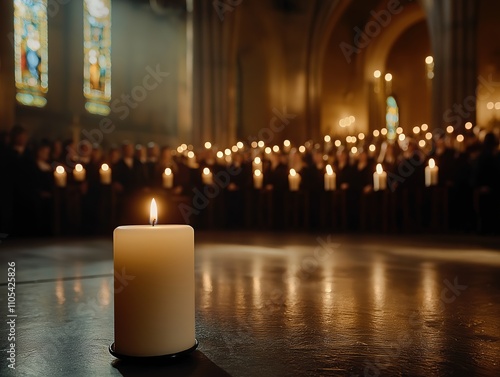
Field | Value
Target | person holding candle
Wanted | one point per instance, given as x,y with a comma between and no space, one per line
43,185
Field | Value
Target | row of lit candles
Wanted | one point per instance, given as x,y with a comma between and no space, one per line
294,179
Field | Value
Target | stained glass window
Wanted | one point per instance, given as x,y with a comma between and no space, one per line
31,51
97,55
392,117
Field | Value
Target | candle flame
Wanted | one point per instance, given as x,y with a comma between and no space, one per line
168,171
257,160
380,169
257,173
78,167
60,169
329,170
206,171
432,163
105,167
293,173
153,213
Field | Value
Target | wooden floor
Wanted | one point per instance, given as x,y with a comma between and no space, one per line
272,305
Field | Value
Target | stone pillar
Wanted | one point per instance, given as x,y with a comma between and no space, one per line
214,72
7,84
453,28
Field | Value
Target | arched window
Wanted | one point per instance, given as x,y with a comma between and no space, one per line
97,55
31,52
392,117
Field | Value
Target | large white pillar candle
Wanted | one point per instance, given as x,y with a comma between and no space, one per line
105,174
155,304
60,176
431,173
294,180
330,179
258,179
207,177
79,173
379,179
168,178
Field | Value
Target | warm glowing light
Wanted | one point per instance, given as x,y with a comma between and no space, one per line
377,74
258,173
372,148
383,131
424,127
180,150
432,163
428,135
468,125
104,167
168,171
184,147
460,138
190,154
254,144
352,119
257,160
497,105
329,170
449,129
153,213
388,77
490,105
220,154
276,149
376,133
353,139
208,145
421,143
260,144
78,167
286,143
354,150
399,130
348,139
327,138
361,136
293,173
429,60
338,143
268,150
402,137
206,171
416,130
379,169
227,152
59,170
234,148
239,144
302,149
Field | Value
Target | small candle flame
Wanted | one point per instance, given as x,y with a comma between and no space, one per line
257,173
432,163
293,173
257,160
153,213
60,169
206,171
380,169
329,170
78,167
105,167
168,171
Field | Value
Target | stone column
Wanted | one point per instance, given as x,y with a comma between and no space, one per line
453,28
7,84
214,72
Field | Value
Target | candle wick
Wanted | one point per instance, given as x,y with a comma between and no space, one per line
153,223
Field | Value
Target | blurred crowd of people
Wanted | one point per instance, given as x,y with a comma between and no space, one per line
469,169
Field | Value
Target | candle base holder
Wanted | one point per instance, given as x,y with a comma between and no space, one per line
153,359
